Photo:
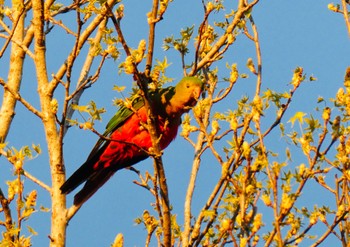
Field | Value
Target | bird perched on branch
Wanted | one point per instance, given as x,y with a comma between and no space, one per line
127,141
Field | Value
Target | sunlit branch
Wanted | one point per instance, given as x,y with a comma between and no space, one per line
18,97
144,181
226,92
201,31
8,217
187,236
142,81
258,55
82,81
274,184
222,41
37,181
218,194
196,234
116,23
157,198
279,116
330,229
11,33
151,37
88,81
301,235
64,27
72,211
69,8
24,45
346,15
82,39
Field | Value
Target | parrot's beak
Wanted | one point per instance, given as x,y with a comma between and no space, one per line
196,94
195,97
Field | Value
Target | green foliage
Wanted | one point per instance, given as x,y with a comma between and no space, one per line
93,112
25,205
179,44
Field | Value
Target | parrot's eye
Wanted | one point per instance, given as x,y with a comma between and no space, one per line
188,85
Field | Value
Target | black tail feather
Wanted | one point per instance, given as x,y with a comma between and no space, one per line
92,185
77,178
93,178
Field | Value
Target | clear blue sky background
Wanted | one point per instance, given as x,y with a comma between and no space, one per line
292,33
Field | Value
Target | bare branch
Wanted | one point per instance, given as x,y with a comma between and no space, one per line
18,19
151,37
258,55
72,211
14,79
222,41
8,217
37,181
116,23
83,80
335,223
82,39
346,15
18,97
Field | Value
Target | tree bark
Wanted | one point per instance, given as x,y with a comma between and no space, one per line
7,111
54,144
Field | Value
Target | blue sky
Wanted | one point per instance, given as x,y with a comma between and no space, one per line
292,33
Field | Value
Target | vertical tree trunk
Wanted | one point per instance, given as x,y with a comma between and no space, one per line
7,111
45,90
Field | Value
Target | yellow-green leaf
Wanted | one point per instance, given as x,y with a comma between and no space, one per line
32,231
297,117
81,108
119,88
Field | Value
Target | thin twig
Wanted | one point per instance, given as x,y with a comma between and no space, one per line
258,55
37,181
200,31
68,8
72,211
83,38
226,92
346,15
222,41
118,29
89,81
12,31
64,27
18,97
336,221
203,122
8,217
151,37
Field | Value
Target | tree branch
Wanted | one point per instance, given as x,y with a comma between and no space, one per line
346,15
83,80
242,9
37,181
18,97
82,39
9,101
8,217
151,37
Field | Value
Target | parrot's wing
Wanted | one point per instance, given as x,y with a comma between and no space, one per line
116,121
86,170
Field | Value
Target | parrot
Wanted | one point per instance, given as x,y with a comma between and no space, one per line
126,141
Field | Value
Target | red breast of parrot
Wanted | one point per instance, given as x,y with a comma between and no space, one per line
127,140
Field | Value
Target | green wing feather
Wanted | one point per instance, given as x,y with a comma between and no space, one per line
116,121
